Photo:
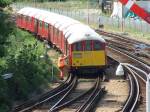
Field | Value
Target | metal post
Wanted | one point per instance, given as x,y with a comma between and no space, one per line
52,72
148,94
88,12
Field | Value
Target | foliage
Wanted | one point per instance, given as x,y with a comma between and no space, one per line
5,30
29,72
20,56
4,3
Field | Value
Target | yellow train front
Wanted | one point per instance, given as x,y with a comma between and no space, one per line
88,57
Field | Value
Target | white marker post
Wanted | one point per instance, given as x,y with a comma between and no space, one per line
148,94
120,71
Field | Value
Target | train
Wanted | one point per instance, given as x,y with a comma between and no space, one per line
86,50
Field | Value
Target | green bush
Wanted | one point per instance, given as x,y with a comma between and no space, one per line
4,3
6,28
20,54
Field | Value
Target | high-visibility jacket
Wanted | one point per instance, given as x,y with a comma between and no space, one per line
61,62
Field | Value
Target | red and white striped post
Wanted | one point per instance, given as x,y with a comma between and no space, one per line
131,5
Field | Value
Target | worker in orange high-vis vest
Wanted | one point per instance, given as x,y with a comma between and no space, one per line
61,65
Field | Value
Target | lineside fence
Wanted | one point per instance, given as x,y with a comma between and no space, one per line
90,13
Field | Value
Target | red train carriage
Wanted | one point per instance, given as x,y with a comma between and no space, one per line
86,49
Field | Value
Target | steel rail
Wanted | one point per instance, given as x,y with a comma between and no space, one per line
36,101
128,46
147,68
91,98
73,85
118,36
133,97
144,63
92,103
74,99
62,91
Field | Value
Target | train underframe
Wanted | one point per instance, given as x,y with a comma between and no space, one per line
88,71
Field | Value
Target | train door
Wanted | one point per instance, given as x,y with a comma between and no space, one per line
42,29
99,56
77,57
87,54
23,21
50,33
59,39
46,31
32,24
53,35
39,28
28,23
35,28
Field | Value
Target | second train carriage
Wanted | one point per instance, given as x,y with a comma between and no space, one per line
85,48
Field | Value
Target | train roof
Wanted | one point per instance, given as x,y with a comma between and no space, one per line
73,30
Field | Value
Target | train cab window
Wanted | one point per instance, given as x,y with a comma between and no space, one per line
97,45
88,46
46,26
77,46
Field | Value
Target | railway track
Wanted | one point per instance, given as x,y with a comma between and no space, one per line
122,50
34,102
138,50
124,57
65,95
134,94
82,102
89,104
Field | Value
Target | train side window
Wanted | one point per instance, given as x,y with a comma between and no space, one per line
24,18
88,46
97,45
56,32
46,26
40,23
77,46
28,19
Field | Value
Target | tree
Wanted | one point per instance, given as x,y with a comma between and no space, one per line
4,3
6,28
